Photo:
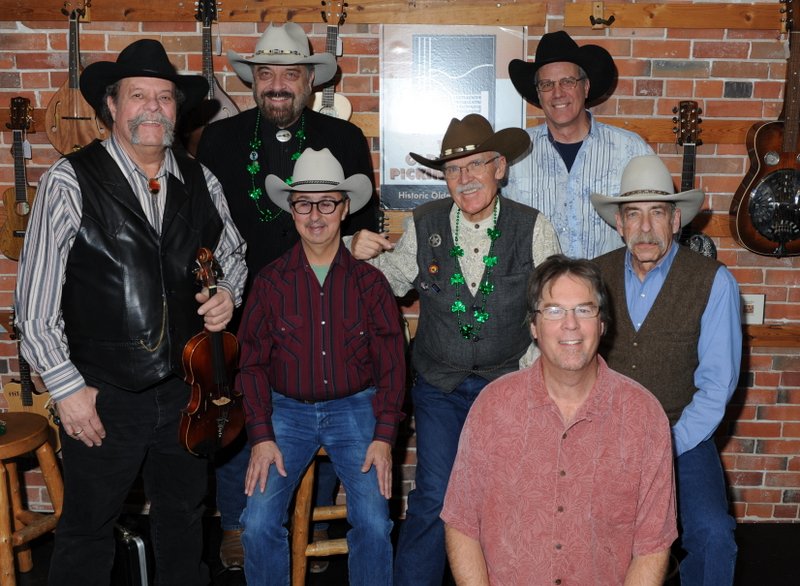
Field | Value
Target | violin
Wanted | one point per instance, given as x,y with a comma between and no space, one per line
214,416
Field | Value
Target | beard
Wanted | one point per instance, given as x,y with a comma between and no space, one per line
286,113
166,124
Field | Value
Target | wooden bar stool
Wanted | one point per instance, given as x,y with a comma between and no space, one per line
25,432
301,522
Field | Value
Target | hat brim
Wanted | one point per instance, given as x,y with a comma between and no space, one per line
509,142
358,188
689,202
324,64
593,59
98,76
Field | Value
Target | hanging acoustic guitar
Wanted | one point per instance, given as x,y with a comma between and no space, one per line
71,122
687,131
767,203
328,101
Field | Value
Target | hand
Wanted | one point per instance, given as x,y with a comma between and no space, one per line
366,244
379,454
79,418
216,310
262,456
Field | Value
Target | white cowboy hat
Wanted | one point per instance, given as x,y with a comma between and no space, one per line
319,171
284,45
646,178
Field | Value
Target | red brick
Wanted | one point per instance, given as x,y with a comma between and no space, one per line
786,512
744,462
783,479
758,511
745,478
757,495
757,429
721,50
779,412
777,446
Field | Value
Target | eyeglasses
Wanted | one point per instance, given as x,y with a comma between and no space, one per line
556,312
474,168
566,83
324,206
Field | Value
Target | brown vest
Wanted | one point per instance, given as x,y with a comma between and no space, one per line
662,355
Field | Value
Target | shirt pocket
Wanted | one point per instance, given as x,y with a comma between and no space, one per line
289,337
356,340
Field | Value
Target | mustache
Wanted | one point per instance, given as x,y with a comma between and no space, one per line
135,123
647,239
469,186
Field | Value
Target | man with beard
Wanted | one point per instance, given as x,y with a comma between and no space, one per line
106,303
241,151
677,331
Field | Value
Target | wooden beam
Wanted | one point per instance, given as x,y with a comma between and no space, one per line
777,336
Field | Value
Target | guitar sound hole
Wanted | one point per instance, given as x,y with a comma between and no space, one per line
328,111
775,206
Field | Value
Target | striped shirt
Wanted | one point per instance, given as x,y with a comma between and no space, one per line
318,342
541,180
54,223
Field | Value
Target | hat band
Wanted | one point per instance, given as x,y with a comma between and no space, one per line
315,182
469,147
643,191
278,52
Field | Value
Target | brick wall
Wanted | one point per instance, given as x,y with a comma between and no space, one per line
734,74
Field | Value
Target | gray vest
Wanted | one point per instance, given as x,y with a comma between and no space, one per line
440,353
662,355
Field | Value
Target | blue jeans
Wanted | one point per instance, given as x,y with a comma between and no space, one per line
344,427
706,525
439,418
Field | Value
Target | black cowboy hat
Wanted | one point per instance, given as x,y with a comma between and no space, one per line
559,46
142,58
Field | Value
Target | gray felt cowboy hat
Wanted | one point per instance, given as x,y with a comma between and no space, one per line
646,178
474,134
559,46
284,45
142,58
319,171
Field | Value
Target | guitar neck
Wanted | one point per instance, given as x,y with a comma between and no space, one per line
689,165
20,180
74,52
331,46
790,128
25,382
208,60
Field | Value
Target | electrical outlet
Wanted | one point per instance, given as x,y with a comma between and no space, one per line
753,309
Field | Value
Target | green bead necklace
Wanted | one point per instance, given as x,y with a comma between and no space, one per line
469,331
253,167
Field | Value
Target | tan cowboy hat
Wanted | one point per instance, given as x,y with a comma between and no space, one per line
559,46
474,134
318,171
646,178
142,58
284,45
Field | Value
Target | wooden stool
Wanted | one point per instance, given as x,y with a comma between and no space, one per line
301,522
25,432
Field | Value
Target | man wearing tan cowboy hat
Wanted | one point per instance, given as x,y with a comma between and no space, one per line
572,155
241,151
468,257
322,365
677,331
106,305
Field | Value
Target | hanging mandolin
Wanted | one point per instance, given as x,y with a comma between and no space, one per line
18,199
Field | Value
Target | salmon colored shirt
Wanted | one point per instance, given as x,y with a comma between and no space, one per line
563,504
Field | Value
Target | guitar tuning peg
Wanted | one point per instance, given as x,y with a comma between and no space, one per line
674,111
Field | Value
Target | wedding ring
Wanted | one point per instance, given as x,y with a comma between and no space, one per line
77,433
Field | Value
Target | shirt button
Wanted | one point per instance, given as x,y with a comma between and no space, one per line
323,322
477,226
564,436
635,344
633,367
325,381
476,250
558,546
324,353
560,509
562,473
558,581
472,284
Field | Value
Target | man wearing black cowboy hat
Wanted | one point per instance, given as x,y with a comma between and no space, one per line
572,154
106,301
468,257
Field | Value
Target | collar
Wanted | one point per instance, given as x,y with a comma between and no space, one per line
168,167
597,404
297,259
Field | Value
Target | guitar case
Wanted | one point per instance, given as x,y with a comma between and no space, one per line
133,561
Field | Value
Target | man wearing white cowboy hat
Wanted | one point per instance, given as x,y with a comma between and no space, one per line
322,365
572,155
677,331
468,257
106,304
241,151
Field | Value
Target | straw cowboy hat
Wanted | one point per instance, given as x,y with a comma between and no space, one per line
284,45
647,178
142,58
559,46
319,171
474,134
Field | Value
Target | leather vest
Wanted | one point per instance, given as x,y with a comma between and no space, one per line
440,353
128,300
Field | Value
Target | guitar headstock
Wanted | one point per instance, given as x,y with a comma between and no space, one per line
206,11
791,7
334,13
75,14
21,114
687,122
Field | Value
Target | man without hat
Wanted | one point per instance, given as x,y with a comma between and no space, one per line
107,301
468,257
322,365
677,331
572,155
241,151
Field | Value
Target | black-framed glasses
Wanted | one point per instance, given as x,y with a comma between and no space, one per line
474,168
324,206
556,312
566,83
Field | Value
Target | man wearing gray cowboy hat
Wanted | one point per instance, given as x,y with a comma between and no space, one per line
468,257
322,365
572,155
241,151
107,302
671,303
